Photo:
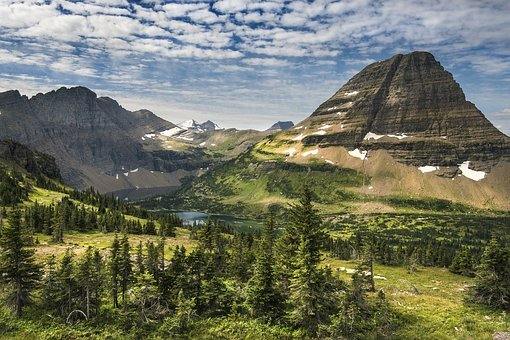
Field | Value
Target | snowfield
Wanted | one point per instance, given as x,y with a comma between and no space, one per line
428,168
351,93
471,174
171,132
361,154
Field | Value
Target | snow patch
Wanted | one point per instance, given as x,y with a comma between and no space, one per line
299,137
351,93
361,154
372,135
471,174
116,176
126,174
188,124
428,168
134,170
320,133
332,108
149,135
213,144
201,144
370,187
290,152
298,127
375,136
311,152
330,162
171,132
341,113
325,127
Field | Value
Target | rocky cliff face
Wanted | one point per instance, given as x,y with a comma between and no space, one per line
82,131
412,107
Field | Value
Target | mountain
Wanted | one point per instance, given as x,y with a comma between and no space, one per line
95,141
400,129
281,126
410,106
209,126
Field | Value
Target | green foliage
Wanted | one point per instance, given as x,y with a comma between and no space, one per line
312,302
18,269
493,276
263,297
11,189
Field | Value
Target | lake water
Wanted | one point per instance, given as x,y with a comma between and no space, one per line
199,218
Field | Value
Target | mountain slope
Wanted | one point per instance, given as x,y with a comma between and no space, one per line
404,125
94,140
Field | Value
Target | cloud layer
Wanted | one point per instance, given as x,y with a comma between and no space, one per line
194,54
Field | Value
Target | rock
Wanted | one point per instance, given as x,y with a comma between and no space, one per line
501,336
80,130
281,126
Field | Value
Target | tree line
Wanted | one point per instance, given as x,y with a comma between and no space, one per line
275,277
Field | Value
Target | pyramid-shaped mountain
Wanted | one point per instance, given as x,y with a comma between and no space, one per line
412,107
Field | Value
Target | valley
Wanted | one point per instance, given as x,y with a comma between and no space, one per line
386,211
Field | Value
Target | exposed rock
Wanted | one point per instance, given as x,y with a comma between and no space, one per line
80,130
281,126
416,111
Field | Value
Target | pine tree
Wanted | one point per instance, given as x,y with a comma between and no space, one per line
17,264
492,286
89,278
310,301
51,292
140,265
115,268
125,267
365,269
263,298
67,281
462,263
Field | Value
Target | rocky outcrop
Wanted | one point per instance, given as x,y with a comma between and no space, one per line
412,107
281,126
80,130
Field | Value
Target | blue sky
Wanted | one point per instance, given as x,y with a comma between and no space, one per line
247,63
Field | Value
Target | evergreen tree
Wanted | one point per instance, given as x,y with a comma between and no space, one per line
51,292
493,276
263,298
309,299
462,263
89,279
140,265
115,270
17,264
67,281
125,267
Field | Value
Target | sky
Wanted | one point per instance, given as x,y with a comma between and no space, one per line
247,64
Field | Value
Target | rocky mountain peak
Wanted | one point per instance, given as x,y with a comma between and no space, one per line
281,126
413,97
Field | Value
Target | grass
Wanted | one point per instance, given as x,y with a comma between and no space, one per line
79,242
432,302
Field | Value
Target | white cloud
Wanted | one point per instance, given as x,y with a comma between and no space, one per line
266,62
